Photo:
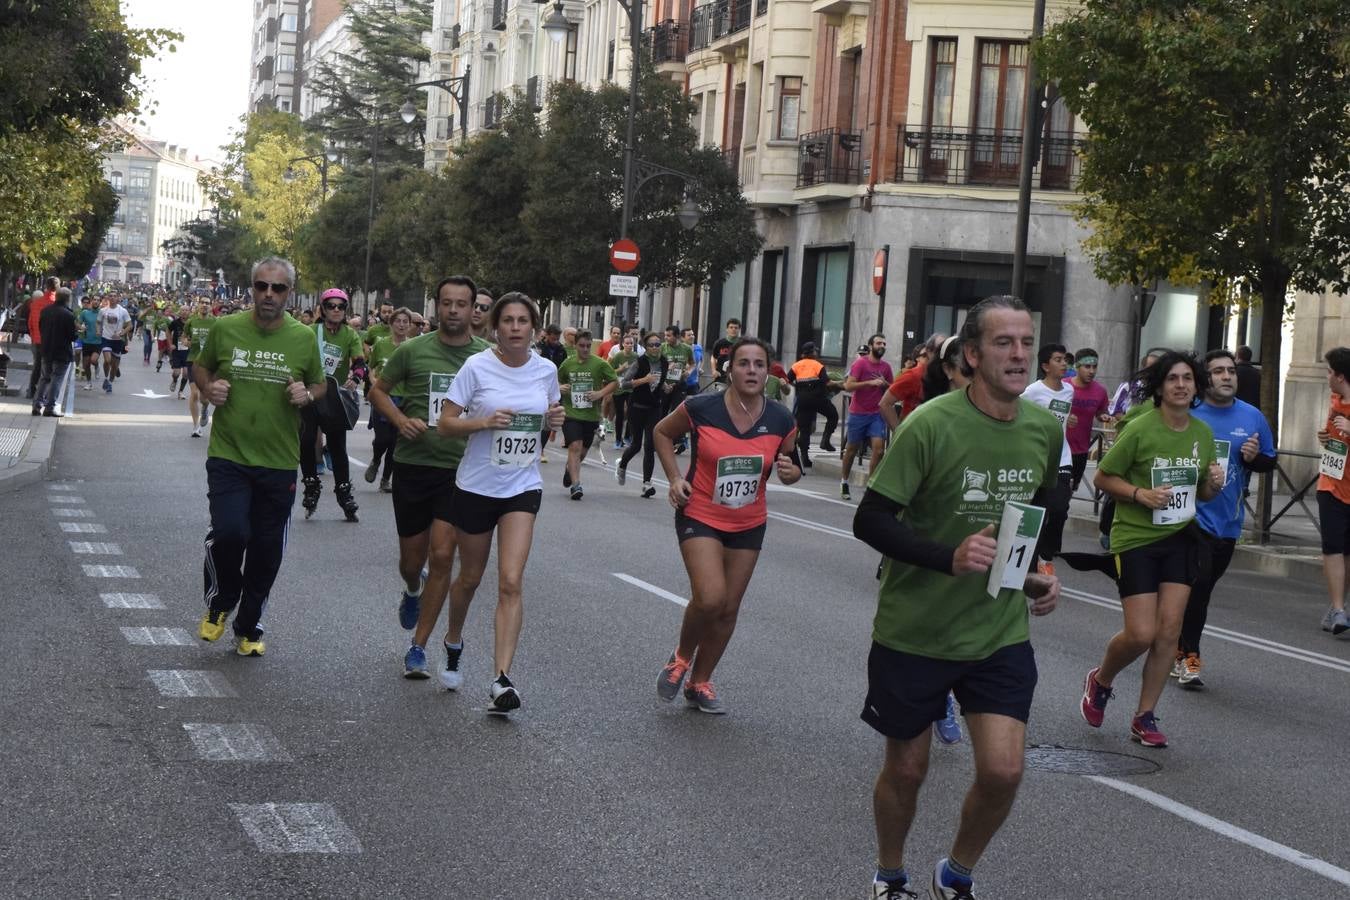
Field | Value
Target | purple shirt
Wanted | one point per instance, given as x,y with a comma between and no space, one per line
867,400
1088,403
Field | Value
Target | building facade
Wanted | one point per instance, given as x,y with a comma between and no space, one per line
274,82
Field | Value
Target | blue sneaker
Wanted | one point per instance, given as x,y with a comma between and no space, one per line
415,664
948,728
948,886
410,606
328,460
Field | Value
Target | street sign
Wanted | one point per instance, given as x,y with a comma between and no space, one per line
623,285
624,256
879,262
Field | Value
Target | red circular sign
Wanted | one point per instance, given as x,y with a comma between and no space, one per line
879,271
624,255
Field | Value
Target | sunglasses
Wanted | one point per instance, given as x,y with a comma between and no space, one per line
482,307
262,286
332,305
653,346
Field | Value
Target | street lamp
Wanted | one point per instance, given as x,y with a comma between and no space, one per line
457,87
556,25
689,213
317,160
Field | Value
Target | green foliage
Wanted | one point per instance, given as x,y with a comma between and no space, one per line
47,181
88,230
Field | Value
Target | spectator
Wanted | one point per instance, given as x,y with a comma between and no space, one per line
58,323
1248,377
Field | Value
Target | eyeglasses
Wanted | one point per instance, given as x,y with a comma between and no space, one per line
332,305
482,307
262,286
419,324
653,346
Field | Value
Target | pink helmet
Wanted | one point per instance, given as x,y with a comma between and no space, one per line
335,292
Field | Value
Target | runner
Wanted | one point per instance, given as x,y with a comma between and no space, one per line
811,380
931,511
1090,406
343,360
644,411
178,356
621,359
386,432
1333,490
198,328
867,380
160,326
500,400
1243,444
90,340
425,462
552,349
114,326
739,438
1053,393
1159,466
584,381
258,368
679,361
907,388
721,350
145,318
482,305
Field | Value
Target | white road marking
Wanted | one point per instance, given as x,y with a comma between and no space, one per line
65,498
235,743
814,495
60,487
95,548
152,636
1228,830
69,513
82,528
131,601
190,683
1232,637
651,588
814,526
111,571
296,828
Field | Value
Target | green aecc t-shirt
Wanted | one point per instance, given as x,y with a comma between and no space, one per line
339,349
422,369
953,468
258,426
585,379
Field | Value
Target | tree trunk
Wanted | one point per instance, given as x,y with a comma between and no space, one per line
1274,285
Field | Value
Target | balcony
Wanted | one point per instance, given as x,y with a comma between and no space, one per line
830,156
761,7
701,27
668,42
730,17
493,110
532,100
969,156
499,15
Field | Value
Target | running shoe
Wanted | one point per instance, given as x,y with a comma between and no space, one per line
621,476
843,491
618,445
671,677
681,447
948,728
1329,619
197,432
576,492
1340,623
415,663
1144,729
567,478
212,626
245,646
886,890
107,386
827,446
451,679
410,606
89,385
328,460
1178,666
1190,676
504,695
372,472
648,492
942,890
385,486
703,698
1093,705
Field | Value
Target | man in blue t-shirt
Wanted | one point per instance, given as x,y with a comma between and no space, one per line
1243,444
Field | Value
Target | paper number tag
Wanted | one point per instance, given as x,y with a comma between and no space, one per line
1333,459
1018,532
332,355
1061,410
438,386
1221,451
738,480
581,392
1181,502
674,371
517,445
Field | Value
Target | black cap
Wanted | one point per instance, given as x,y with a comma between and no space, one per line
809,347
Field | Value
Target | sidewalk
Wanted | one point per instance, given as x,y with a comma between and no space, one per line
1295,550
26,441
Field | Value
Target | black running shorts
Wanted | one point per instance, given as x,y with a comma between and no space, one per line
1334,518
578,430
421,494
475,513
750,539
1171,560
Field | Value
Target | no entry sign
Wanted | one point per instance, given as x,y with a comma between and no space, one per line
624,255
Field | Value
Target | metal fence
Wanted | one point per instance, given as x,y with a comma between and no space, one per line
985,157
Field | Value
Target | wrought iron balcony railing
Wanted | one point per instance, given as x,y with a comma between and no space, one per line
830,156
985,158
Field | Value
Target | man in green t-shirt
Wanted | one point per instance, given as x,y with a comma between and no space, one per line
196,330
585,381
421,370
343,357
258,368
680,358
955,467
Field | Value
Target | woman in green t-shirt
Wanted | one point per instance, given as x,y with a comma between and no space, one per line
621,359
386,435
1157,470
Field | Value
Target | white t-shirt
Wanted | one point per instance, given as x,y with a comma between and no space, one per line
1060,403
503,462
112,322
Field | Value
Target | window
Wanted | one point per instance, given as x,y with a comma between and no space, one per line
284,104
941,83
570,56
115,179
789,108
289,22
286,62
824,306
709,129
139,182
999,97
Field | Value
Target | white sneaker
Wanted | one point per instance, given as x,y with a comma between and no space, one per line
451,678
197,432
1178,668
621,476
504,695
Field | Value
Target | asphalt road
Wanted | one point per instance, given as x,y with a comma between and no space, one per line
322,772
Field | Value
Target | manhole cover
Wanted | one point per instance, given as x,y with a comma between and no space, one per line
1077,761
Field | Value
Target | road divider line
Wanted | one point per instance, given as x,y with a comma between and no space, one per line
296,828
131,601
651,588
95,548
69,499
111,571
1228,830
66,512
155,636
190,683
235,743
83,528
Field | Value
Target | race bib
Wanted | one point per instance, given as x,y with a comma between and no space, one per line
438,385
1221,449
738,480
332,357
184,344
1333,459
1181,502
674,371
581,392
1018,532
1061,410
161,335
517,445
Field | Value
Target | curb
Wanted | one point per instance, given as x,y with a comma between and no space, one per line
32,467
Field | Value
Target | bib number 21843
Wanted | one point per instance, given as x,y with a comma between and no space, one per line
1333,460
517,445
1018,532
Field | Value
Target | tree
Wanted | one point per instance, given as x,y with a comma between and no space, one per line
88,230
46,181
1218,144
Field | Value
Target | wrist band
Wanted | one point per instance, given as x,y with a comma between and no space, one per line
1134,498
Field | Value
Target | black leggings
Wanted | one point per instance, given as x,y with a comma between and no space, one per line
641,421
336,440
1197,607
620,414
386,436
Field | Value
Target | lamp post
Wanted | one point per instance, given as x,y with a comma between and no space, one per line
370,212
457,87
319,161
1031,121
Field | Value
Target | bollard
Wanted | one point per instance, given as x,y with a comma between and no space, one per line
66,405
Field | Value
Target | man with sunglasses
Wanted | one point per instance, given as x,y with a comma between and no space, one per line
343,359
482,305
258,368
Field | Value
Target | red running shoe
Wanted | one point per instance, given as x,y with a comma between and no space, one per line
1095,696
1144,729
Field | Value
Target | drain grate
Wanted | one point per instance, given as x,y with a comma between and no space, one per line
1078,761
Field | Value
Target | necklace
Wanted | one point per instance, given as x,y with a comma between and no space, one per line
745,409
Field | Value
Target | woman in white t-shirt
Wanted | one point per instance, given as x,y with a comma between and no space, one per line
501,400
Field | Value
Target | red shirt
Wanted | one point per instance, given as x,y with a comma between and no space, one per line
1339,488
35,309
907,389
728,468
605,347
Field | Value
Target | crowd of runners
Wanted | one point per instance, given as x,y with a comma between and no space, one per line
974,449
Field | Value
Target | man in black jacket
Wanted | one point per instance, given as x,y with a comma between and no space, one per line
1248,378
59,333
